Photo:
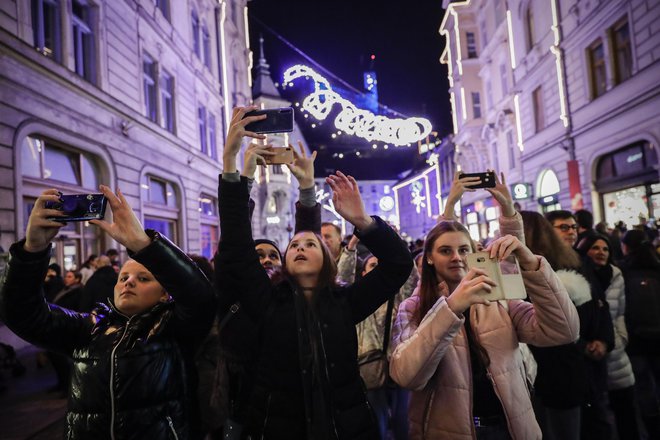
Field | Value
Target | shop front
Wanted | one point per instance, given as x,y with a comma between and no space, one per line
627,181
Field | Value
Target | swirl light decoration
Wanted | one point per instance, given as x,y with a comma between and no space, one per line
352,120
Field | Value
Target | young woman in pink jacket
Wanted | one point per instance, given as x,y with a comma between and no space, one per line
458,352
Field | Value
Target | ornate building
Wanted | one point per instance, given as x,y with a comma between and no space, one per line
133,94
558,95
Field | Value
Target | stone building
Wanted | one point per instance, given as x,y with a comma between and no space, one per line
559,95
134,94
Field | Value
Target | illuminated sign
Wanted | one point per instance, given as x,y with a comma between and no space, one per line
521,191
549,200
352,120
386,203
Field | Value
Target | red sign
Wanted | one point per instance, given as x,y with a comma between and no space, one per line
574,187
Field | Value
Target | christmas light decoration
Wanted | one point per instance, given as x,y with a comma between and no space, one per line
511,48
352,120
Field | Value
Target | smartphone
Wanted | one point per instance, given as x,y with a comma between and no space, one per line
505,273
284,155
487,179
80,207
278,120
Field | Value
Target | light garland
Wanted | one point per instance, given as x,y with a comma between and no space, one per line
352,120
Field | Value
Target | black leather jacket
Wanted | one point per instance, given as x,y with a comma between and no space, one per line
130,376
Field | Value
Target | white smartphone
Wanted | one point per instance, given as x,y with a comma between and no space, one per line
505,273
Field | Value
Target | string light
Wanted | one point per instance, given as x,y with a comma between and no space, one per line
352,120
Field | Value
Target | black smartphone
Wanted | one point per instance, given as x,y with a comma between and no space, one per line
278,120
80,207
487,179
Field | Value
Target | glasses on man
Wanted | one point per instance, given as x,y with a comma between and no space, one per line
566,228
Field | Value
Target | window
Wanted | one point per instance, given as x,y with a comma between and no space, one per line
539,115
163,5
161,206
212,140
499,11
620,37
471,45
208,209
201,119
476,105
44,159
149,83
494,155
512,151
195,32
46,28
484,34
530,33
167,101
83,40
596,56
504,80
159,192
206,44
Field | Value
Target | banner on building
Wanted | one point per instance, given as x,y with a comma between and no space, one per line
574,186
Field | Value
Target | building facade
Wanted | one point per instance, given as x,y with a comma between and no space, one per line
131,94
557,95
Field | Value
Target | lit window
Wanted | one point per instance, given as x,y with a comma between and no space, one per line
620,34
46,28
195,32
149,83
167,101
539,114
201,116
476,105
471,45
596,55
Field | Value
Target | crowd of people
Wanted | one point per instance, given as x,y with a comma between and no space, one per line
359,338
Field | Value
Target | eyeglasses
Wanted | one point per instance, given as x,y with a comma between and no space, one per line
566,228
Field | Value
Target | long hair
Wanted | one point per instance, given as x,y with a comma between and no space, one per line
585,245
327,275
428,289
541,239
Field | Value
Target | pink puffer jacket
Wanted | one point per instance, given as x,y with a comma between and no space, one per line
434,359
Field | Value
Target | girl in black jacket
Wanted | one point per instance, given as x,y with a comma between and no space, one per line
130,357
307,383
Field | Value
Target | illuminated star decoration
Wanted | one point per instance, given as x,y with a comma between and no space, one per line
352,120
321,195
417,198
433,159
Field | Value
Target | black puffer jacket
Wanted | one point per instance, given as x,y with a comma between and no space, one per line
130,375
294,395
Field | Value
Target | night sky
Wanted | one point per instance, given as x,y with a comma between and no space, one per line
341,36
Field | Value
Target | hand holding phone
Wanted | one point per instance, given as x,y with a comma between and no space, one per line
486,180
79,207
506,274
278,120
283,155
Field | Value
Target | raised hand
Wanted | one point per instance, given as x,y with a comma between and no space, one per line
470,291
255,154
347,200
235,135
40,229
502,195
302,167
126,228
502,247
458,187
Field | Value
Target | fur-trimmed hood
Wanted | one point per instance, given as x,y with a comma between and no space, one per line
577,286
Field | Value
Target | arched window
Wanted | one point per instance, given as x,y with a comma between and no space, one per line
547,191
46,163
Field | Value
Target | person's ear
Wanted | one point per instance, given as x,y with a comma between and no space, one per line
164,296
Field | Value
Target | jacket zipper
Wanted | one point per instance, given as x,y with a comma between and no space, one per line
169,422
327,378
112,375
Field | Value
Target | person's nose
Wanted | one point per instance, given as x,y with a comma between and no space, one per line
455,256
130,281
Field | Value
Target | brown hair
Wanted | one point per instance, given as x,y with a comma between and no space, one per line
541,239
328,274
428,289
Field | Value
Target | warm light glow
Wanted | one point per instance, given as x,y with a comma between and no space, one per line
272,220
511,48
463,104
223,54
457,32
555,21
354,121
247,45
516,104
424,175
563,111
